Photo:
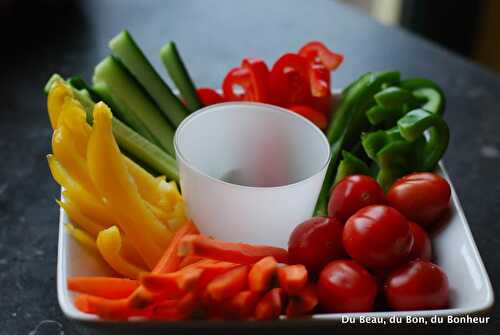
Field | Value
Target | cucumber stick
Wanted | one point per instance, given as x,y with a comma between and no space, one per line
179,74
130,55
149,155
101,93
131,99
117,107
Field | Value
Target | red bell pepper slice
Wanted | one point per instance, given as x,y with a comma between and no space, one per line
209,96
289,80
252,77
319,77
317,52
316,117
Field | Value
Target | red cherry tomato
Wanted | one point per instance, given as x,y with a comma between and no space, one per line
422,248
421,197
353,193
345,286
378,237
316,242
417,285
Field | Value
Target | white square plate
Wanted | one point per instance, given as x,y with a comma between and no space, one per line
453,249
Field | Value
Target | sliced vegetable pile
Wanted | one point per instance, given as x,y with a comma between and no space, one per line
198,277
297,81
118,209
385,127
113,152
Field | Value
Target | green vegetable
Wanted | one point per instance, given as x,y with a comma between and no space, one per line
110,78
349,122
350,165
102,94
179,74
130,55
414,124
427,90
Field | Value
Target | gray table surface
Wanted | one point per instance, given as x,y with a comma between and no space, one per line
214,36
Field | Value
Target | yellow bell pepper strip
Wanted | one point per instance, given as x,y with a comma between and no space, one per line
64,149
82,238
91,227
55,100
86,201
109,172
74,118
178,216
109,243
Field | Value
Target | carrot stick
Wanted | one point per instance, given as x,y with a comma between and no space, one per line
292,278
302,303
172,284
241,253
228,284
242,305
262,273
189,259
170,260
104,287
271,305
116,309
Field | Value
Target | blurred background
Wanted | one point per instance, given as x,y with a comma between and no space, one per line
470,28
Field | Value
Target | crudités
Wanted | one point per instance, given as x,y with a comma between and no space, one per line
113,152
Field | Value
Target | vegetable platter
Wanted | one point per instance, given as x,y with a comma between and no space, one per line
387,236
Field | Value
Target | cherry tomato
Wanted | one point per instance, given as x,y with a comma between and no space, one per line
353,193
421,197
345,286
417,285
422,248
378,237
316,242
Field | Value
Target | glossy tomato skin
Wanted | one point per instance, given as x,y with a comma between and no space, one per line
422,197
417,285
316,242
346,286
378,237
353,193
422,247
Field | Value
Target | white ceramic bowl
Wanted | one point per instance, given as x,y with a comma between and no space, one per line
453,249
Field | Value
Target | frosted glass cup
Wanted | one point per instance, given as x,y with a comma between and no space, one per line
250,172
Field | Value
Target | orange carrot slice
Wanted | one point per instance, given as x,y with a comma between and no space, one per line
228,284
173,284
292,278
242,305
271,305
241,253
104,287
302,303
262,274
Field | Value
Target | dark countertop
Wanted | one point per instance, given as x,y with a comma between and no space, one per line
212,36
